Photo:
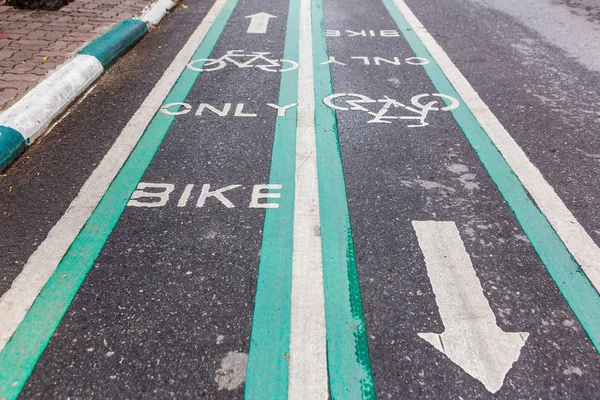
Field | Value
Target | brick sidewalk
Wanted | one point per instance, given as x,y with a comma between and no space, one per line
33,43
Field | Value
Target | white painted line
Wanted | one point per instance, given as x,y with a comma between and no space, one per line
15,303
308,349
259,22
471,338
156,11
581,246
36,110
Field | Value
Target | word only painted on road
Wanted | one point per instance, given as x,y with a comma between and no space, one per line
222,111
380,109
159,194
363,33
379,61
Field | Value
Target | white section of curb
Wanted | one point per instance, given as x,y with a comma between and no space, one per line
156,11
31,115
36,110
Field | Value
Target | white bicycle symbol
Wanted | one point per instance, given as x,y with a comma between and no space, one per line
354,103
234,56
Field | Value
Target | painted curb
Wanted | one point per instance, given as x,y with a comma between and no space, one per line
22,123
155,12
114,43
12,144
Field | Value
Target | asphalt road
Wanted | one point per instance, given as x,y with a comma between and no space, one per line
345,206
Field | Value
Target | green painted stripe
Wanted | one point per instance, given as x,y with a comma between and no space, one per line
21,353
12,144
578,291
114,43
267,372
349,366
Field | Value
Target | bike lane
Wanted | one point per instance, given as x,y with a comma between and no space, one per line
166,309
184,330
416,196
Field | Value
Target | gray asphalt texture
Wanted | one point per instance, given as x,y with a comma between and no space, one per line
170,298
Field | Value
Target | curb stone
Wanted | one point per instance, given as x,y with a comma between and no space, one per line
21,124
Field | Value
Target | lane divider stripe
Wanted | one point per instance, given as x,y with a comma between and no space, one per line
268,359
350,375
324,344
308,349
66,274
553,231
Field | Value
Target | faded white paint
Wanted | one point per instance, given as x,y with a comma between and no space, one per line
17,300
308,346
158,195
259,22
232,373
281,110
471,338
239,111
153,198
579,243
258,194
185,196
371,33
166,109
217,194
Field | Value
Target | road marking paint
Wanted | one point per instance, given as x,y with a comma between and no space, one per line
349,365
268,359
308,350
471,337
259,22
552,229
288,323
63,267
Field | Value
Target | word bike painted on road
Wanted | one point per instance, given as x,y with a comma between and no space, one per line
422,105
159,194
363,33
238,58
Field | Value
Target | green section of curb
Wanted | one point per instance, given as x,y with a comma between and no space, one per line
12,144
114,43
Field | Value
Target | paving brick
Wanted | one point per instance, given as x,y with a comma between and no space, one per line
74,46
56,35
59,45
58,28
22,55
21,69
46,35
6,96
6,54
34,25
13,77
17,84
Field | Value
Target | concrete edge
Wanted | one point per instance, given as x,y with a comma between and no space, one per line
114,43
23,122
155,12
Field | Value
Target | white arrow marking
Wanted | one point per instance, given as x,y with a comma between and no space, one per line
471,339
259,22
